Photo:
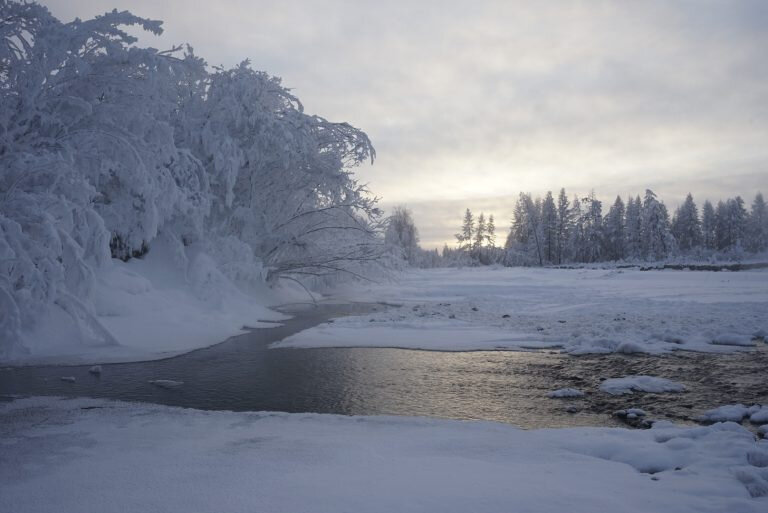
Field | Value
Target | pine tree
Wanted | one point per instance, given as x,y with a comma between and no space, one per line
613,228
737,221
593,228
490,232
656,238
632,228
686,226
518,233
722,235
575,247
533,215
708,226
562,225
464,238
757,225
549,228
479,233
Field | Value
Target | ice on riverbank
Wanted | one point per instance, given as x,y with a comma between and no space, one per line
756,414
94,455
629,384
429,334
582,311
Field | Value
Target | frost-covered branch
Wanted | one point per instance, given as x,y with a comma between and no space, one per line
106,146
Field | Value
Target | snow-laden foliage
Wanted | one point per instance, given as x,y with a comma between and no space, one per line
402,236
106,146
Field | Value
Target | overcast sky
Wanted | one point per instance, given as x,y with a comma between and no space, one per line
469,103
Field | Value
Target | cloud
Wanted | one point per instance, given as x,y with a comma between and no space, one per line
471,100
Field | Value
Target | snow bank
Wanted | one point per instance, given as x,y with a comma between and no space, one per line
582,311
756,413
171,301
115,457
628,384
760,416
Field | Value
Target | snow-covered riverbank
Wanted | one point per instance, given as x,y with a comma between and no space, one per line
151,308
91,455
582,311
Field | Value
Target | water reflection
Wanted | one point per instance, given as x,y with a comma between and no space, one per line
242,374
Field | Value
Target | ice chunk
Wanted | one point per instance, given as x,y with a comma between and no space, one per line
166,383
96,369
627,384
68,379
726,413
733,339
760,416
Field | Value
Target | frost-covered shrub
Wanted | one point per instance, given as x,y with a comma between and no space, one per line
105,146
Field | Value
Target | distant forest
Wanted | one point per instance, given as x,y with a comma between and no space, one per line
560,231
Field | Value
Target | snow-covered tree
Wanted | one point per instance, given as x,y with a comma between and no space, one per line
686,226
524,239
633,228
480,232
757,225
656,238
490,232
465,236
106,148
614,233
592,224
562,226
722,232
576,243
730,224
402,235
549,228
737,221
708,226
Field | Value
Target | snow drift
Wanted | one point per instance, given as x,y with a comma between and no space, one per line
94,455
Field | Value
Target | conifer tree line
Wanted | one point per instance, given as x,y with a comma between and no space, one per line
553,231
562,230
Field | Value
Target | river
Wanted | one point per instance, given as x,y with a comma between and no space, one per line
243,374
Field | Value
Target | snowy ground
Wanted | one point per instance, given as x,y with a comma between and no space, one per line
150,308
582,311
91,455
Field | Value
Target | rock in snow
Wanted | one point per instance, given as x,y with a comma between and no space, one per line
630,413
565,393
166,383
628,384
